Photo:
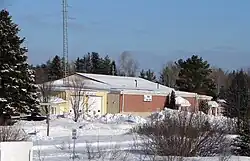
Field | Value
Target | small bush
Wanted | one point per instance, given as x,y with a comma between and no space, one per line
12,133
186,135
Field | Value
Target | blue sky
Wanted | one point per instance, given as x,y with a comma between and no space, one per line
154,31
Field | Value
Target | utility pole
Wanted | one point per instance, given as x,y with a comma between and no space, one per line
65,39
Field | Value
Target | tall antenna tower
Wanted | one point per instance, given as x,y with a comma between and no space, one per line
65,39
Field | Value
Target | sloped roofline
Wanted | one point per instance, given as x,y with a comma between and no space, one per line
84,76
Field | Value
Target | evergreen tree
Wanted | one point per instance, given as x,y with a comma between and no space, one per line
142,74
17,91
238,107
194,76
237,98
241,145
95,63
172,104
86,64
113,68
56,70
105,65
222,93
237,95
79,65
149,75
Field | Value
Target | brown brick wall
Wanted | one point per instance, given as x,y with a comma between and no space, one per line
135,103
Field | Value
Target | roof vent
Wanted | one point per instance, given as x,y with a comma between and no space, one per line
158,85
136,83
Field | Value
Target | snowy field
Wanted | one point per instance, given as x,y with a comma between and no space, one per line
105,138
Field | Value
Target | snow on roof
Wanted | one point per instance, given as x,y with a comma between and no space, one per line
182,101
185,94
122,83
205,97
87,84
213,104
56,100
191,94
221,101
125,83
146,92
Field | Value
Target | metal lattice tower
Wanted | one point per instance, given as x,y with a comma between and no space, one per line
65,39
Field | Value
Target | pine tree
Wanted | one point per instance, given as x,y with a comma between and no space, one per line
17,91
194,76
105,66
87,63
95,63
172,104
242,143
237,96
55,68
78,65
113,68
222,93
149,75
142,74
238,107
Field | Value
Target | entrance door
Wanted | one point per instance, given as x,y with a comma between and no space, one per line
94,105
113,103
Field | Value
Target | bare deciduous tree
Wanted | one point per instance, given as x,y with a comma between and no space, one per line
78,98
220,77
169,74
12,133
46,89
185,135
128,66
41,74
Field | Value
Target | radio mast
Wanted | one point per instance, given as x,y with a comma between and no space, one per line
65,39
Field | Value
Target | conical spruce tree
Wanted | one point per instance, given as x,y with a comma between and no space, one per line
55,69
238,107
242,143
172,103
18,92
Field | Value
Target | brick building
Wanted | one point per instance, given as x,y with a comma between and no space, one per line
117,94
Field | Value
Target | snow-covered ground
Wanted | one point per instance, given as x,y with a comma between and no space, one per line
107,135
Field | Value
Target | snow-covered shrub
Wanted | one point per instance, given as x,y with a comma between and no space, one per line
218,122
12,133
182,134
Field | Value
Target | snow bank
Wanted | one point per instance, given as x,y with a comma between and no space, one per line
111,118
120,118
115,124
